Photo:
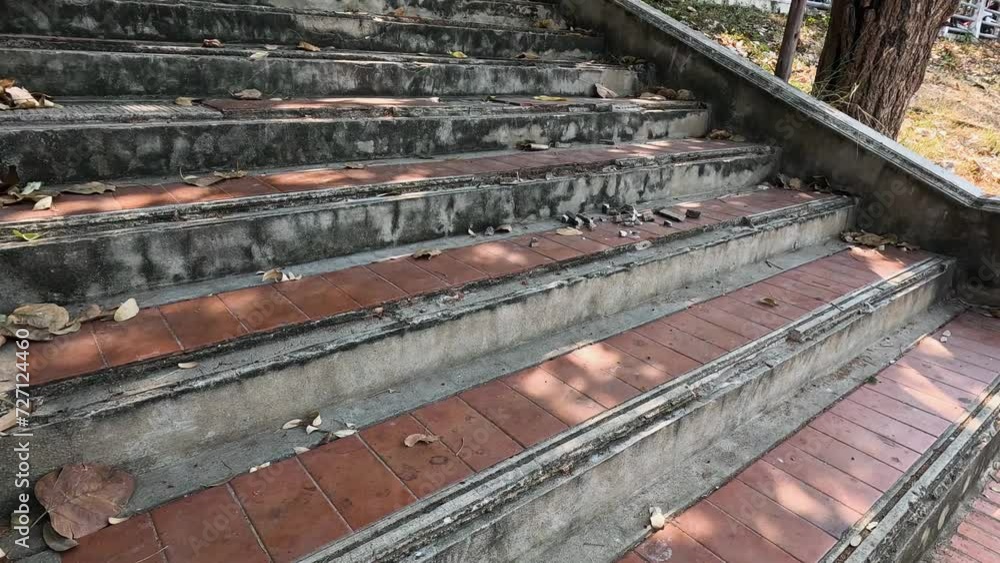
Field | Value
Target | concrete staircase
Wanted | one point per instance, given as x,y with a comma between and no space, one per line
575,377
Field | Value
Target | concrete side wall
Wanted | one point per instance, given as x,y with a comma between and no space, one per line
901,192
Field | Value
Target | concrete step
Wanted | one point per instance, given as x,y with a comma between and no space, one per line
194,21
875,476
412,319
973,527
95,144
153,235
94,67
606,398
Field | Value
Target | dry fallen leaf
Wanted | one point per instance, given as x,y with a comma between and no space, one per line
569,232
259,55
90,188
459,55
317,422
114,521
355,166
40,315
545,24
21,98
605,92
310,429
29,237
248,94
769,301
720,135
272,275
294,423
551,99
426,254
345,432
55,540
304,46
299,450
505,228
414,439
187,365
530,146
256,468
127,310
212,44
81,497
43,204
528,55
185,102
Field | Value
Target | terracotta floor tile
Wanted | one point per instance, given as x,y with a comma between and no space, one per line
262,308
451,271
520,418
486,257
671,544
714,334
971,327
948,410
847,277
667,362
579,243
132,540
878,423
289,512
246,187
424,468
592,370
944,375
523,258
680,341
727,538
749,312
72,204
935,349
65,356
361,487
24,212
929,423
201,322
786,282
811,504
992,496
945,554
794,298
865,440
142,337
981,537
785,529
984,523
709,312
825,282
186,194
364,286
317,297
931,387
473,438
852,461
971,549
828,479
987,508
971,345
409,277
549,392
207,527
950,362
547,247
138,197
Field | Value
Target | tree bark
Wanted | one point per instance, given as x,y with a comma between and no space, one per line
875,56
793,25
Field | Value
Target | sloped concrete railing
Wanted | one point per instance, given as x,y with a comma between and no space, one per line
900,192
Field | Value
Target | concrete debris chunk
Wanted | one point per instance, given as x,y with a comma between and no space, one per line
670,215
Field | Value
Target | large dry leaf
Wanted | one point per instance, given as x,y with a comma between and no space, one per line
49,316
459,55
414,439
127,310
21,98
55,540
81,497
248,94
305,46
426,254
184,102
29,237
43,203
605,92
90,188
259,55
212,44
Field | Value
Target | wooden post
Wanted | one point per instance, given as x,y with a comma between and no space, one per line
796,12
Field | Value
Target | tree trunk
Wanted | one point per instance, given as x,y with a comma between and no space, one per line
875,56
793,25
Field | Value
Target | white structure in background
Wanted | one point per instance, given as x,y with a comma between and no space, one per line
978,18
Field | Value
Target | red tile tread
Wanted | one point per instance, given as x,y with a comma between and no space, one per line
806,493
350,483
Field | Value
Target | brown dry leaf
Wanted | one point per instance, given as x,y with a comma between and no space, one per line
459,55
81,497
74,326
355,166
212,44
685,95
7,83
21,98
273,275
55,540
545,24
187,365
551,99
259,55
184,102
248,94
90,188
229,174
414,439
306,46
202,181
569,232
127,310
345,432
426,254
505,228
528,55
605,92
40,315
720,135
769,301
43,203
294,423
399,12
529,146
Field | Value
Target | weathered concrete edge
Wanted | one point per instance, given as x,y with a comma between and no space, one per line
476,506
914,521
955,187
608,535
162,413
